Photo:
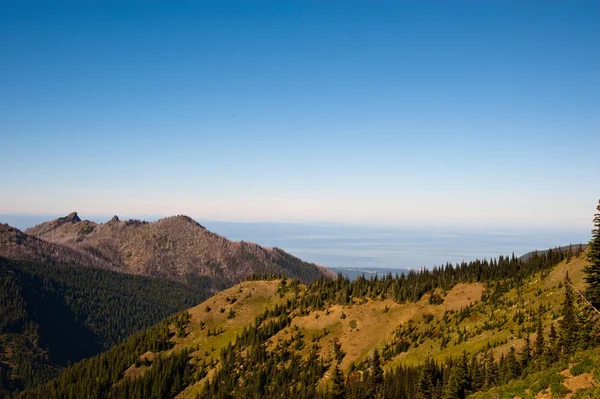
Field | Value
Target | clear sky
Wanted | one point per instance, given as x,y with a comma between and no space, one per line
456,112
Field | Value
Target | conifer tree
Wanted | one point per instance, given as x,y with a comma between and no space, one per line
512,365
451,388
538,349
551,353
425,388
477,374
376,374
592,271
339,386
458,384
567,339
491,370
525,355
585,323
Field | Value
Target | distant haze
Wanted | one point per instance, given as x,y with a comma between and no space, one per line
364,247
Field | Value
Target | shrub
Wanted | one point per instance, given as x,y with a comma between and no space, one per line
584,366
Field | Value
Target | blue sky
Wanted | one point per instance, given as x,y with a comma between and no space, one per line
424,112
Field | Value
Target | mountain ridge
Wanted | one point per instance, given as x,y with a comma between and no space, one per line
17,245
174,247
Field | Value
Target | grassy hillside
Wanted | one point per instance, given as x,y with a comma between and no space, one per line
439,331
251,336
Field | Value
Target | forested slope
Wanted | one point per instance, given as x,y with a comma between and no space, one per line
54,315
444,333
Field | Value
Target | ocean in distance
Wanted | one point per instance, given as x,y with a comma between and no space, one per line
370,248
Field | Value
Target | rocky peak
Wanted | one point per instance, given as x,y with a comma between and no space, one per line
182,219
114,219
72,217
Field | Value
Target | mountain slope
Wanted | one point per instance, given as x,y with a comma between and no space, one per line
53,315
14,244
96,284
281,338
174,247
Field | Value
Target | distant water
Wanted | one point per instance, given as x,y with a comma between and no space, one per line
365,248
353,273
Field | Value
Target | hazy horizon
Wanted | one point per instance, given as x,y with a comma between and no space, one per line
339,245
466,113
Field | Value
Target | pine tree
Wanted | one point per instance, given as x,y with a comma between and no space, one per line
376,374
585,323
425,388
512,365
539,347
338,391
491,370
567,339
592,271
525,355
451,388
477,374
458,384
551,353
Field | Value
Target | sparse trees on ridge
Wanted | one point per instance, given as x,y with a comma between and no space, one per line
592,270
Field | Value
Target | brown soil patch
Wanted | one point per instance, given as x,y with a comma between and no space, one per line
462,295
581,381
575,383
544,395
135,372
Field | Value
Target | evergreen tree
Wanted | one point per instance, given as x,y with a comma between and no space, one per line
477,374
339,386
551,353
592,271
491,370
525,355
567,339
585,323
458,384
375,375
539,347
425,388
512,365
